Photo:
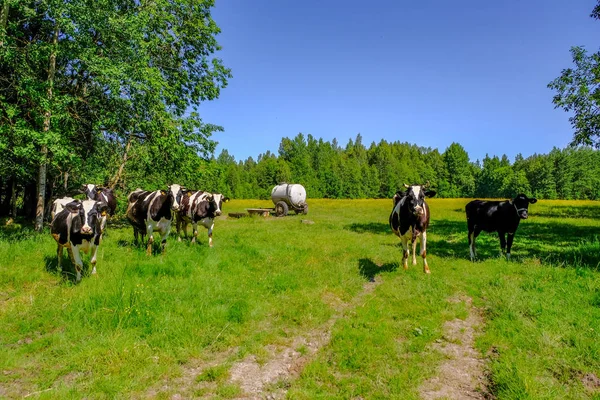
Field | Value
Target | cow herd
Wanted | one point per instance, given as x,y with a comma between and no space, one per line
79,225
410,218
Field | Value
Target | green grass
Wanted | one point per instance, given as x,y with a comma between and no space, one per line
144,320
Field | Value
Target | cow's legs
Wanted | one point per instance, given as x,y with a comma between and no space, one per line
93,252
423,249
511,236
163,241
502,237
78,263
414,250
135,236
210,242
404,252
59,255
149,230
178,227
195,231
473,233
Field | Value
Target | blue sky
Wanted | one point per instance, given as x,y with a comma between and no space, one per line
425,72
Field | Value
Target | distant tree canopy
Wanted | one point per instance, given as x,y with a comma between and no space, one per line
578,92
329,171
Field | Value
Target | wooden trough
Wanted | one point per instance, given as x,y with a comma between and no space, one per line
264,212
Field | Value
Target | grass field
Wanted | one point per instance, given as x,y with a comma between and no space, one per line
283,308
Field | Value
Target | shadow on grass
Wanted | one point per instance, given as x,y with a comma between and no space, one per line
17,232
369,269
592,212
68,272
555,243
377,228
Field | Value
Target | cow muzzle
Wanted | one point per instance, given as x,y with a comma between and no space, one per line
419,211
86,230
218,212
523,215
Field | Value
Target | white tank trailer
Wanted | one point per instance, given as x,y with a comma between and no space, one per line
289,196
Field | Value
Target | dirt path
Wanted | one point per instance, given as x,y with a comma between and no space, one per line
462,375
267,380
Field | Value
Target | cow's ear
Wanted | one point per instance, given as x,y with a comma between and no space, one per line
189,193
533,200
99,189
430,193
225,199
162,192
103,208
73,207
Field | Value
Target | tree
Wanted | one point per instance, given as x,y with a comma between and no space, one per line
460,173
578,91
81,77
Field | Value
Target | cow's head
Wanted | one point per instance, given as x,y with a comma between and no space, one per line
215,202
92,214
177,192
521,203
90,190
415,197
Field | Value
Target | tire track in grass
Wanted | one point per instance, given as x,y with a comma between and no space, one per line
462,375
271,379
267,380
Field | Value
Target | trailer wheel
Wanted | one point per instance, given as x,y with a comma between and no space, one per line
281,209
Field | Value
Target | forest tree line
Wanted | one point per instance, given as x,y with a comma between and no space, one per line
325,169
328,170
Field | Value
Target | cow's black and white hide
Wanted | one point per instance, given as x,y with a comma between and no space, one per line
152,211
98,193
199,208
409,220
77,227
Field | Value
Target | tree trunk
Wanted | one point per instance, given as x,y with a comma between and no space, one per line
13,199
29,199
65,182
4,18
39,214
119,173
6,202
49,194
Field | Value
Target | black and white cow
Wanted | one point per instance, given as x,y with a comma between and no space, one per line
496,216
409,219
77,227
58,205
150,212
199,207
93,192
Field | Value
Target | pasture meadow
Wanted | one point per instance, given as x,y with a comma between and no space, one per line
330,294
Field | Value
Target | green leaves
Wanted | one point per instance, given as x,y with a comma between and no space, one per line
578,92
127,72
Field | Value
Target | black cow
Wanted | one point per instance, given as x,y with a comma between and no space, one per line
93,192
150,212
77,227
409,219
496,216
200,207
